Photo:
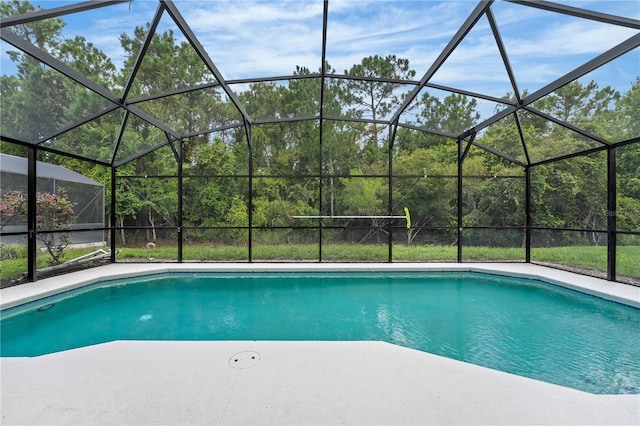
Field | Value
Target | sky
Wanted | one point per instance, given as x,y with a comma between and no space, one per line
248,39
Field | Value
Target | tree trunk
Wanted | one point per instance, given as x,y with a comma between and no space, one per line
152,223
121,218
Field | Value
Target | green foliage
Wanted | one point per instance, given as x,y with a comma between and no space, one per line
454,114
628,107
291,171
13,251
54,212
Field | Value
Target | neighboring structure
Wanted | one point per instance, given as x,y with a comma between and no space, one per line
85,193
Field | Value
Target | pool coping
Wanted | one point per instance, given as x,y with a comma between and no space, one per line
618,292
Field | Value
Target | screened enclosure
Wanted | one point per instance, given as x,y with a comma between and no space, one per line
85,198
290,131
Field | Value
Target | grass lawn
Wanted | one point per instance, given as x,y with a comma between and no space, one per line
585,258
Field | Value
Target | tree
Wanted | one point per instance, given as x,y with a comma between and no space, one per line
54,215
578,104
366,197
54,212
454,114
422,187
169,65
45,34
12,206
374,99
628,111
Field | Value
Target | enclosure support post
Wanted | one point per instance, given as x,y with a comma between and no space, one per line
392,136
323,73
249,134
31,215
527,207
611,214
180,192
112,216
459,231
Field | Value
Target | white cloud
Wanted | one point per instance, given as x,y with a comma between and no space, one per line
257,38
541,47
248,39
103,26
575,38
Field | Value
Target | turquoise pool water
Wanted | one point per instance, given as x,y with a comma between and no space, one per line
521,326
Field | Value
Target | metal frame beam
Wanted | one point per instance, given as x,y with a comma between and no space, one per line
471,94
323,77
22,44
459,199
580,13
528,218
611,54
195,43
569,156
213,130
499,154
76,124
287,119
74,75
215,84
448,50
53,151
430,131
357,120
180,194
522,138
602,59
566,125
56,12
503,53
112,216
142,52
125,119
612,202
140,154
32,222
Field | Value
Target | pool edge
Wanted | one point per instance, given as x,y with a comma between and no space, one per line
614,291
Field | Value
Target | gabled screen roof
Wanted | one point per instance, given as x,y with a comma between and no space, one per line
149,73
19,166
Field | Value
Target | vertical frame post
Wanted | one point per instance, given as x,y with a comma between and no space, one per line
460,161
611,214
112,215
31,214
527,207
320,179
180,193
392,135
249,134
323,73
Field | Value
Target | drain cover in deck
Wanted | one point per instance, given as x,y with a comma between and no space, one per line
245,359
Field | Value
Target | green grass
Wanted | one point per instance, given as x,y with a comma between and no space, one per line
588,258
10,269
585,258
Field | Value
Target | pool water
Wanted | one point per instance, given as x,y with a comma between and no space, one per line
521,326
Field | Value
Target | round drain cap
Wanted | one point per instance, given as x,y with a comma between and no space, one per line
245,359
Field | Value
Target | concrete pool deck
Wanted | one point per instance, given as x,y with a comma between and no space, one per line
150,382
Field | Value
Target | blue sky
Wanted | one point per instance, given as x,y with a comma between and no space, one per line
265,38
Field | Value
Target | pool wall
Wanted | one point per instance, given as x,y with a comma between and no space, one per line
25,293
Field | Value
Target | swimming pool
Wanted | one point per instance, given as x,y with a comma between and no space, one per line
522,326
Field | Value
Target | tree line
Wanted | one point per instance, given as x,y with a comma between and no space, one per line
359,166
